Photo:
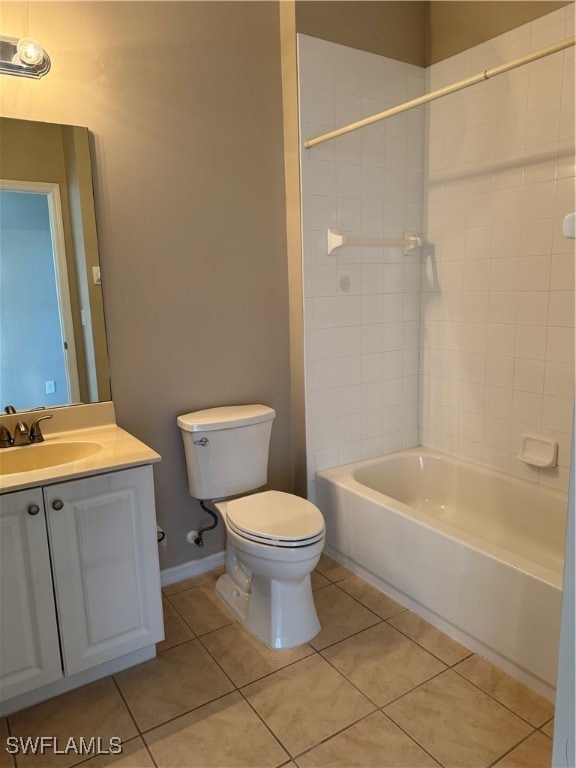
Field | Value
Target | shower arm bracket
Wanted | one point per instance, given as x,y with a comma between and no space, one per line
335,239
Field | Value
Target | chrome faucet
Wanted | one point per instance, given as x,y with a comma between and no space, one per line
5,437
35,433
22,434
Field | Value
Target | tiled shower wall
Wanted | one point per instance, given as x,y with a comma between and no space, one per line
362,304
489,300
497,307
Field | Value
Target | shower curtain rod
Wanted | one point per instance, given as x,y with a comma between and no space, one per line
448,89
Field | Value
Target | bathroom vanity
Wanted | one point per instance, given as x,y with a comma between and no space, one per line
79,577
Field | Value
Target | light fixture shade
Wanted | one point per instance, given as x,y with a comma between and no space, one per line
23,57
29,51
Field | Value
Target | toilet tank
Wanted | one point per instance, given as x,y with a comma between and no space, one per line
226,449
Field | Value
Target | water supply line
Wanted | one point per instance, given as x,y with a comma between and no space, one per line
448,89
199,540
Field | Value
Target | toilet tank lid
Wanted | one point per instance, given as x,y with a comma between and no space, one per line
225,417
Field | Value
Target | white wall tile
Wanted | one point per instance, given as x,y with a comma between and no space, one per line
561,309
531,342
474,346
532,307
529,375
559,379
560,344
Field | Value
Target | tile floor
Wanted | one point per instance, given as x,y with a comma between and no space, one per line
378,687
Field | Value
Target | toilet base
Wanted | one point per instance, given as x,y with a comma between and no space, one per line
280,614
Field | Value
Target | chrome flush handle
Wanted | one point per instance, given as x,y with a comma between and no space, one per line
203,441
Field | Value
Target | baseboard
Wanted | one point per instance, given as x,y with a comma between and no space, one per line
191,569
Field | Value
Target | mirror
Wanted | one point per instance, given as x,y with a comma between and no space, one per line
52,332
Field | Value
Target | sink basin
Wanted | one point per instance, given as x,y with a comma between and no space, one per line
29,457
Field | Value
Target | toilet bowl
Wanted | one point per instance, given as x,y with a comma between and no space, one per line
267,580
273,539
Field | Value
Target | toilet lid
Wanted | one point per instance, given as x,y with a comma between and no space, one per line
273,517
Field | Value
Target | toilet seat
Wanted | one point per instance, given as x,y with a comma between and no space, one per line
276,519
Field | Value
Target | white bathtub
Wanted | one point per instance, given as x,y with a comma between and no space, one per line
475,552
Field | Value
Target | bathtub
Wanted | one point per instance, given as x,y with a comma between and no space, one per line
477,553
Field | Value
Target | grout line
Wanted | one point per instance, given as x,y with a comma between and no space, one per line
313,651
9,733
376,705
352,597
245,685
544,724
436,760
491,696
265,724
125,701
436,656
317,744
149,730
414,688
515,746
147,748
348,637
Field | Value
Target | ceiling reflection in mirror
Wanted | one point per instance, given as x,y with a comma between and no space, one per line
52,332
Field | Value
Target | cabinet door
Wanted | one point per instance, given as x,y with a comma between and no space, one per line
105,565
29,648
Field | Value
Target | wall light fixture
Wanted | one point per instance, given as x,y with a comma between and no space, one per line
23,57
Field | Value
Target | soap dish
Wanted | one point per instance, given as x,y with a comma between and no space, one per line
539,451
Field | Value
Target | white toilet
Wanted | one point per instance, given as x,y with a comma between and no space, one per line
273,539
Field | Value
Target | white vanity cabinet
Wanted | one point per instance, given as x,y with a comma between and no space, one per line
80,584
29,647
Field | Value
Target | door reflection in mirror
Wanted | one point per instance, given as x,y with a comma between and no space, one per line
38,360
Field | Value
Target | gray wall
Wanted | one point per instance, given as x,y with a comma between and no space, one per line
455,25
416,32
190,208
393,28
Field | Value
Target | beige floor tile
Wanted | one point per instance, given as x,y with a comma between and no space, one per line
383,663
6,759
195,581
174,682
175,628
244,658
134,755
459,725
331,569
93,710
202,609
374,742
318,580
507,691
423,633
340,616
372,598
548,728
306,703
223,734
535,752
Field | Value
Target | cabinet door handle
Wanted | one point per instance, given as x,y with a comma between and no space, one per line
57,504
33,509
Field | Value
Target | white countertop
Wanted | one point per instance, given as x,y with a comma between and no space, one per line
120,450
